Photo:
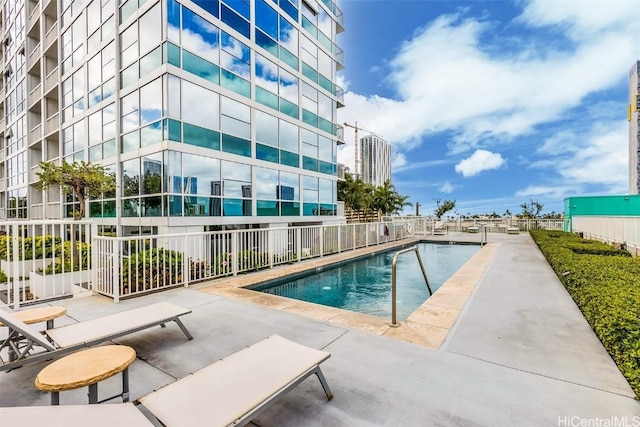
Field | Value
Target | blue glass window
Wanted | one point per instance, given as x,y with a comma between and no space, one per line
290,208
309,164
264,152
266,98
196,135
267,43
236,207
289,159
235,83
310,209
109,149
95,153
309,118
210,6
235,21
130,141
173,54
240,6
267,208
151,134
235,48
200,36
290,9
266,19
326,168
173,12
325,125
173,130
235,145
309,72
200,67
288,108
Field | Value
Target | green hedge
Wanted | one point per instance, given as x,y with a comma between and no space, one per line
605,284
29,247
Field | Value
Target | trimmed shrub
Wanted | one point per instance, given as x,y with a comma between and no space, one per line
37,247
605,284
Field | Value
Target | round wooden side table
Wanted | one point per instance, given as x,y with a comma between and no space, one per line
87,368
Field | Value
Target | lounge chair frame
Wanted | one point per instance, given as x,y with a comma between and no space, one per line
23,338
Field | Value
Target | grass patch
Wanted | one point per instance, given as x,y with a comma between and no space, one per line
605,284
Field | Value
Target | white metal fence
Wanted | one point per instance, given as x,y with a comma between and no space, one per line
40,261
610,229
495,225
44,260
129,266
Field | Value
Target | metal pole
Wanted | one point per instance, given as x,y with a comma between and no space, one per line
394,322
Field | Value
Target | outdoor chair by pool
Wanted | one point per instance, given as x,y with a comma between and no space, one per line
229,392
26,344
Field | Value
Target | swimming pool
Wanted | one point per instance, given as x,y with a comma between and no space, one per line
364,285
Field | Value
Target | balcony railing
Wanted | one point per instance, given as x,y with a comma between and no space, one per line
340,132
51,36
52,124
33,57
35,134
34,96
51,80
340,96
33,17
339,55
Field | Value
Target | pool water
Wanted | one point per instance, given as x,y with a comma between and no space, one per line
364,285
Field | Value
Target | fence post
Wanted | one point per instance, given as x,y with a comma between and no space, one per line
14,266
117,276
94,254
299,243
355,245
323,229
186,270
270,246
234,252
339,239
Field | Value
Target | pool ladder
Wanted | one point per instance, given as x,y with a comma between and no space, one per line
393,281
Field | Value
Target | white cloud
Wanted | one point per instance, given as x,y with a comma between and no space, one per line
480,160
547,191
447,187
455,75
398,161
596,155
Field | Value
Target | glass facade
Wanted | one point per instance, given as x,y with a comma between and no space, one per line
199,111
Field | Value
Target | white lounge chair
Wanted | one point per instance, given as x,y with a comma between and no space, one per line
230,392
23,339
439,228
125,414
235,389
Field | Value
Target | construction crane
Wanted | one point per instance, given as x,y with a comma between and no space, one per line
357,152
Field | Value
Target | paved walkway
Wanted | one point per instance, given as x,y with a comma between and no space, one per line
520,353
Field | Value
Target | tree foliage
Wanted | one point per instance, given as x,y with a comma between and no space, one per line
442,207
83,180
359,196
531,209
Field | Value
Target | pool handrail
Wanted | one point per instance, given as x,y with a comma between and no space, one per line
393,281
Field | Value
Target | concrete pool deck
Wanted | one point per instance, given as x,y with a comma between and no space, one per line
520,353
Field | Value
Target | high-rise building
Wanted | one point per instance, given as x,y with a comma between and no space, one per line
634,129
375,155
193,104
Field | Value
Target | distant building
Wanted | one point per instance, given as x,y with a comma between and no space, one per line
375,154
633,115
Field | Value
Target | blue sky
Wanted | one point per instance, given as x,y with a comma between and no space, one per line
493,103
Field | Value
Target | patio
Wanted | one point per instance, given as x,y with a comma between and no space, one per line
520,353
